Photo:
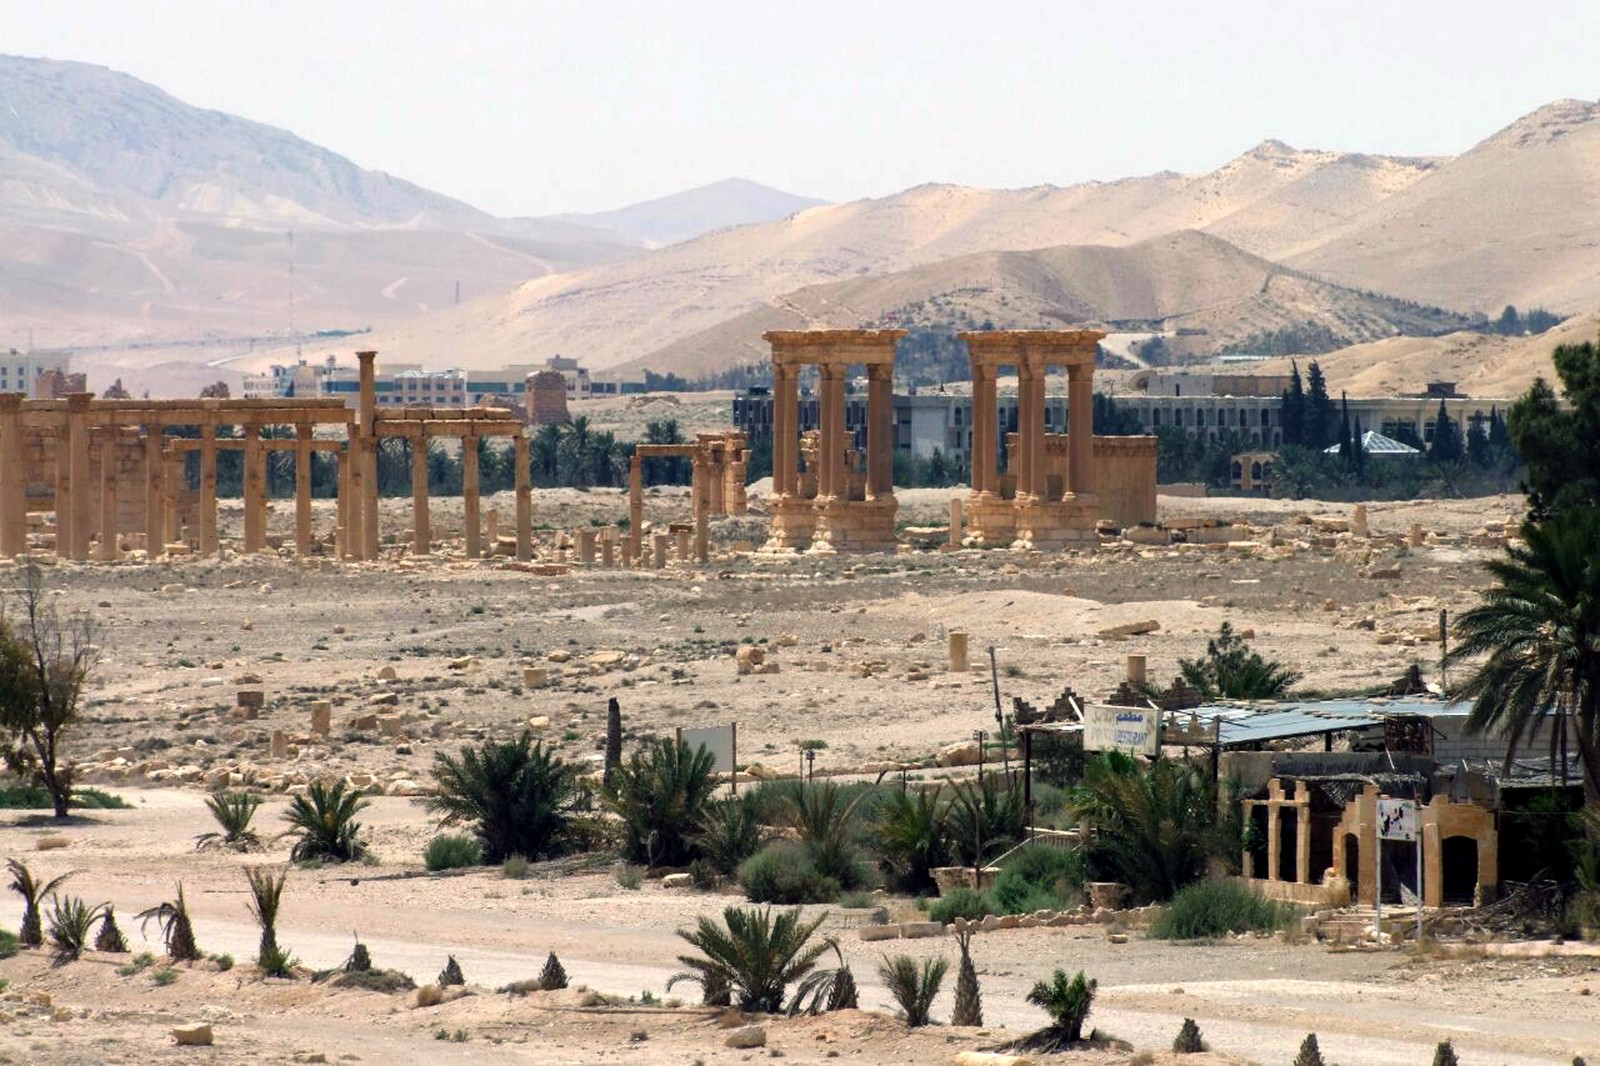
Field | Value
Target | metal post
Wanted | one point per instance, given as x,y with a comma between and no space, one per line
1377,898
811,760
1419,873
1444,653
999,716
978,735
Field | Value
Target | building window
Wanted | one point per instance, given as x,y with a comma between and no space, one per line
1155,417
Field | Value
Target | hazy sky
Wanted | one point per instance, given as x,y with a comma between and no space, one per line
535,108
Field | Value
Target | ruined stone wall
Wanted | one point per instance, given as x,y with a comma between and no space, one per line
1125,473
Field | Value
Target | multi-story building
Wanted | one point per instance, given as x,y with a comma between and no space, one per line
21,371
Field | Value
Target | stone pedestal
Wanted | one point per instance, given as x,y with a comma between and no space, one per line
855,525
991,519
658,557
586,543
608,549
953,540
321,717
793,524
1046,525
958,653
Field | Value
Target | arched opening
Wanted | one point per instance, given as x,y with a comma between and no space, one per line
1255,470
1459,863
1352,863
1238,470
1288,843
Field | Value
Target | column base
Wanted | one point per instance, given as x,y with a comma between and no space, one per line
990,520
856,525
792,526
1045,525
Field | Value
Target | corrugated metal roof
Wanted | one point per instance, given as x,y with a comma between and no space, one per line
1255,723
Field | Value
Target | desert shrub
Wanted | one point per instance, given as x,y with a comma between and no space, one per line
1188,1041
630,878
660,794
912,986
323,822
172,919
1213,908
452,851
911,838
756,954
960,902
30,797
703,876
233,812
9,945
71,920
1039,878
729,833
517,796
1067,1001
1445,1054
515,868
784,873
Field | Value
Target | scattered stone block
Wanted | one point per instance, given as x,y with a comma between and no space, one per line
989,1058
1130,629
747,1036
280,744
870,933
321,717
386,673
193,1035
963,753
920,930
677,881
364,722
534,676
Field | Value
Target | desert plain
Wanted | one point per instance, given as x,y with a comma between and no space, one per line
859,646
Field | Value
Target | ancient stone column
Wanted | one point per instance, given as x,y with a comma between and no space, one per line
366,485
173,480
1080,422
1028,428
208,489
1358,521
421,535
785,429
985,478
78,458
345,534
659,556
63,487
635,508
155,497
13,478
608,547
108,495
702,544
831,477
586,543
958,652
524,499
255,494
954,536
1134,670
469,496
302,489
880,430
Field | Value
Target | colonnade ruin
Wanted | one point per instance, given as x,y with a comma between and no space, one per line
115,474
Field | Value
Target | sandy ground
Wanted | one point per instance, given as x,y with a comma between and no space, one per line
662,643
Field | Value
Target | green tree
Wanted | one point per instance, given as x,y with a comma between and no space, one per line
45,660
1446,446
1294,409
1560,449
517,796
1320,417
1230,670
1154,826
661,795
1537,634
755,953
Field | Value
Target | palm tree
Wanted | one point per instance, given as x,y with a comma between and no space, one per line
1538,631
266,897
547,454
826,824
1154,826
517,795
913,987
323,819
574,451
1067,1001
31,933
660,794
912,838
755,953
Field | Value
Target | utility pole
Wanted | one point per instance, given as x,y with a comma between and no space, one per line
999,715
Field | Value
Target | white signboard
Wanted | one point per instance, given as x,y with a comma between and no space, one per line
1397,819
719,740
1135,730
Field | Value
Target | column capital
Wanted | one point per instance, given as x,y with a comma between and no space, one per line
880,372
830,371
367,357
1078,371
78,402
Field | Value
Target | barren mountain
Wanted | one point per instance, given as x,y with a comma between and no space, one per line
1272,197
1514,220
1215,294
693,212
125,213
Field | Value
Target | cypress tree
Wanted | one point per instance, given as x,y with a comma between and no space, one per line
613,740
1294,409
1310,1053
1319,415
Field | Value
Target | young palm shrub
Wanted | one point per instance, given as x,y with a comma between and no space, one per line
969,999
71,920
826,824
755,954
322,819
266,896
913,987
233,812
1445,1054
451,974
1188,1041
554,975
172,919
1310,1054
110,939
1154,826
912,838
31,933
984,820
730,832
826,990
660,794
515,795
1067,1001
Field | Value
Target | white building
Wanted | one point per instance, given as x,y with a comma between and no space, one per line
19,372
